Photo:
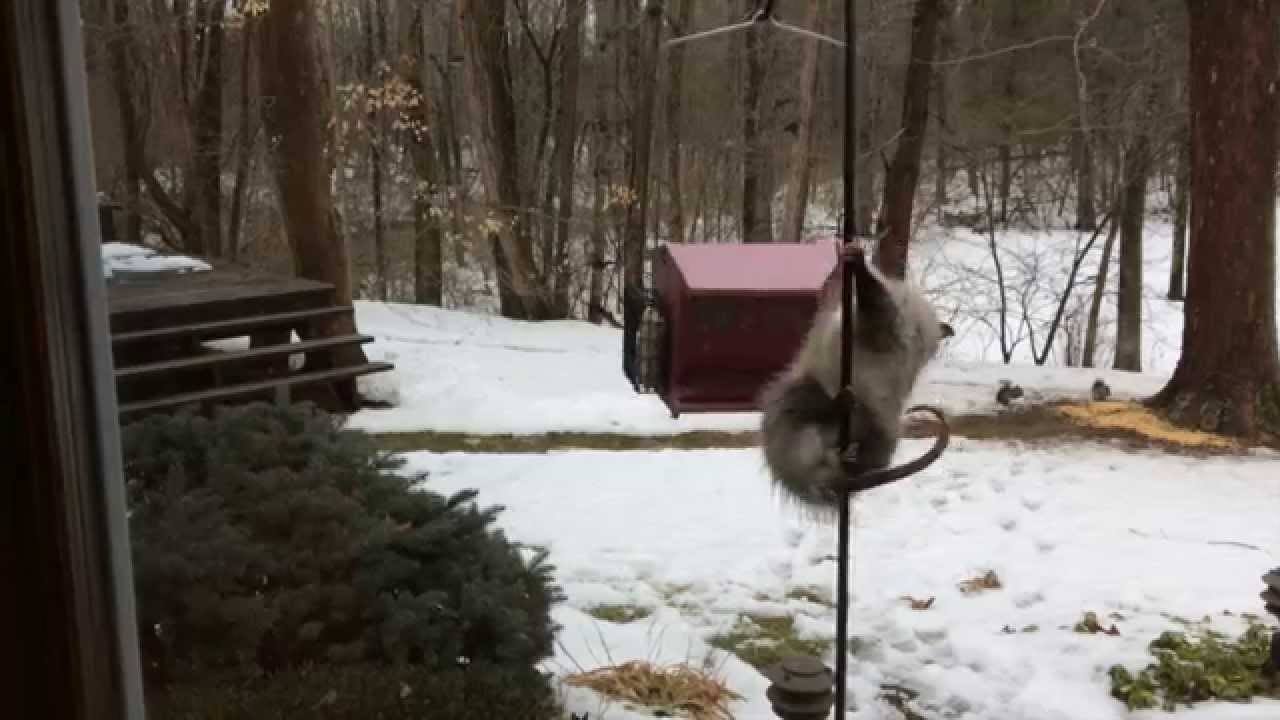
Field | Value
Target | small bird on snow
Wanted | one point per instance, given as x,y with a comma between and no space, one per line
1008,392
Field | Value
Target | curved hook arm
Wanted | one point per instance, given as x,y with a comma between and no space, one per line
860,480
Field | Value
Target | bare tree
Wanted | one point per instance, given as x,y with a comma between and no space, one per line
801,169
757,211
903,176
566,147
485,25
633,253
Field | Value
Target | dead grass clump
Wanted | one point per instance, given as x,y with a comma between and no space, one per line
676,689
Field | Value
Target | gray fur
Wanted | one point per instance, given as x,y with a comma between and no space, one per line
896,333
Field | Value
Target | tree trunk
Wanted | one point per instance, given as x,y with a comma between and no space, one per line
941,173
797,184
1099,290
1132,213
646,78
375,46
757,218
864,213
428,246
486,28
595,283
1181,198
248,136
1086,212
566,147
294,77
1228,374
124,62
206,181
903,174
675,93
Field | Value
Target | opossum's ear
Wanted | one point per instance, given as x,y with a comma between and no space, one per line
947,330
876,312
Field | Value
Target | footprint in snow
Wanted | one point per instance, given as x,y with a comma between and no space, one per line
1026,600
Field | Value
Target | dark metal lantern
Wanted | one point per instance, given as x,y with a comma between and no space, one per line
801,688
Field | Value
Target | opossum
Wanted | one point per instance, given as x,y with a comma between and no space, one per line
896,332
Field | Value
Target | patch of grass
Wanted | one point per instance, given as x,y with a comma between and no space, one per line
666,691
1090,625
1200,667
1035,424
809,593
988,581
620,614
548,442
761,641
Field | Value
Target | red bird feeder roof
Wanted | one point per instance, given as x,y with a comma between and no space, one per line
757,269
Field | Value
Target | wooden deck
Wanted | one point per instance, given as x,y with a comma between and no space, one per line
161,324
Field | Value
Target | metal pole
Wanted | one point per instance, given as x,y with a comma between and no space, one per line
846,339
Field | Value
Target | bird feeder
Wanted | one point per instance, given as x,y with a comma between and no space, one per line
723,320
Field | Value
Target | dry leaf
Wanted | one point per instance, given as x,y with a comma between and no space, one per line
917,604
989,581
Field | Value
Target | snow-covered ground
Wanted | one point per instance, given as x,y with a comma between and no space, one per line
699,537
477,373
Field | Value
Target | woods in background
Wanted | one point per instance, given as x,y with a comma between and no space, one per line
431,151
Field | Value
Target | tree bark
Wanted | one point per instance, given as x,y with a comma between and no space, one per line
486,29
1227,376
675,94
428,245
124,63
297,121
646,78
1132,213
595,283
942,175
248,136
1086,211
206,168
903,174
1099,290
375,46
757,215
797,185
566,148
1181,203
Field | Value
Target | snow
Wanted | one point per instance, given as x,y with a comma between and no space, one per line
700,537
126,258
479,373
